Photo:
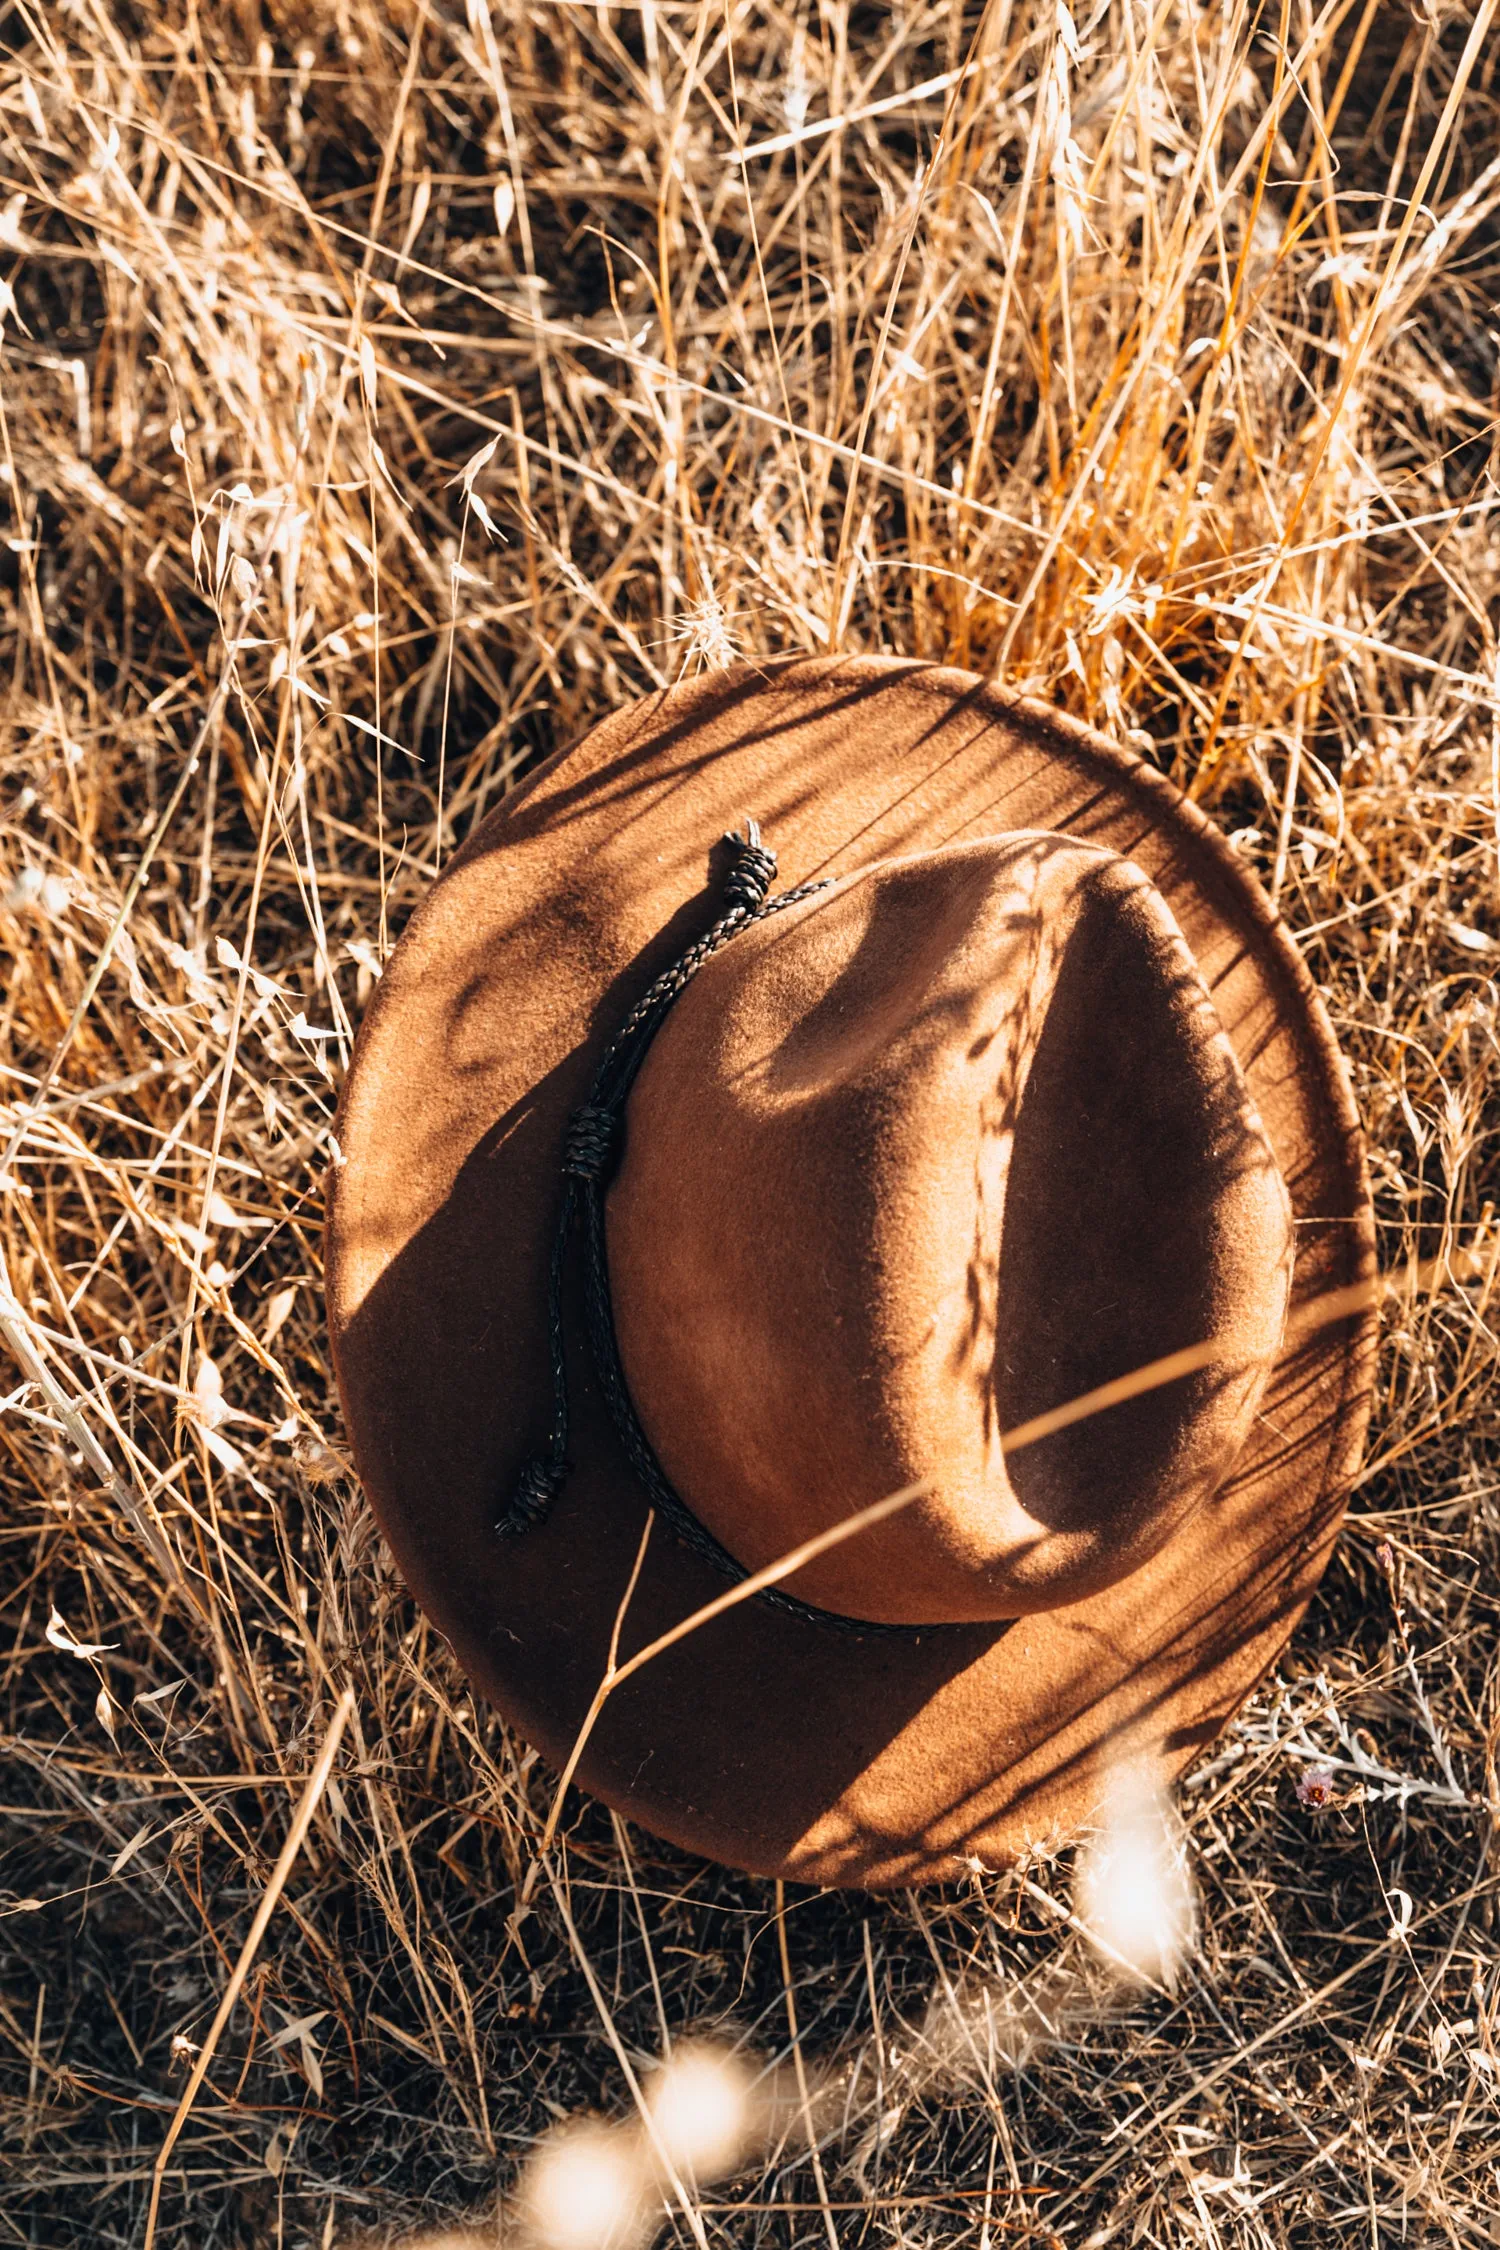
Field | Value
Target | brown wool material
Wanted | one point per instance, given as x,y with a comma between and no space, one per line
1035,1092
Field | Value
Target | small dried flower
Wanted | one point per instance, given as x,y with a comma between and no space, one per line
1315,1788
319,1462
705,627
49,894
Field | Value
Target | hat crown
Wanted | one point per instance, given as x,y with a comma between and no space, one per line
937,1151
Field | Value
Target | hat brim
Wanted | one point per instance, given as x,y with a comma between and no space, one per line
762,1739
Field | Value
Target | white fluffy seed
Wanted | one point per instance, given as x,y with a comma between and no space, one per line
700,2109
208,1394
1132,1889
585,2189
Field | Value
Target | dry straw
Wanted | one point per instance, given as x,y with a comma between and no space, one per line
385,393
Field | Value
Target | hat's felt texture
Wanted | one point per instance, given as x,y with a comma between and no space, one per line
939,1150
763,1739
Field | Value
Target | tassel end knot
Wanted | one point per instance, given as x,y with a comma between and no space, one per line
753,872
536,1488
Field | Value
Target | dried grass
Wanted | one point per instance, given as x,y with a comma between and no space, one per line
386,393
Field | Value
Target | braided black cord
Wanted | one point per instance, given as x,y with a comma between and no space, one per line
589,1151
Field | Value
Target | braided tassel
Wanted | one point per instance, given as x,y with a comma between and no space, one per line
589,1145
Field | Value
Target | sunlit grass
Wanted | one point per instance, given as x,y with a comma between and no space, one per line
386,394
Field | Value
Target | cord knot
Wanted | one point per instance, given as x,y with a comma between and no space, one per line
754,869
536,1488
589,1142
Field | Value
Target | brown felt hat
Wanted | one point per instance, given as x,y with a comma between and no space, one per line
705,1187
